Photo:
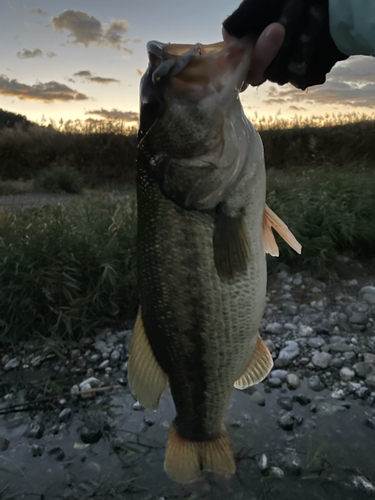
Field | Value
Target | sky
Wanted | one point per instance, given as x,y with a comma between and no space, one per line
83,59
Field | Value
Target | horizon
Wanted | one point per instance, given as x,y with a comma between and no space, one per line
85,64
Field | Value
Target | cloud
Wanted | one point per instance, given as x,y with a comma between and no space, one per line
348,84
17,11
39,12
115,114
51,54
87,75
86,30
297,108
138,71
28,54
47,92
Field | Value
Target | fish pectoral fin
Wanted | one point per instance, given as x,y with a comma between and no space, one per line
259,367
231,245
271,220
147,380
184,460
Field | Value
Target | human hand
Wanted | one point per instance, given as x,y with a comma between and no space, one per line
306,53
265,50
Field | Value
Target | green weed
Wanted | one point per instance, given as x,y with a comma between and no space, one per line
60,179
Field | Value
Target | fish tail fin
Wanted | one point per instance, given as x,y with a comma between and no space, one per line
184,460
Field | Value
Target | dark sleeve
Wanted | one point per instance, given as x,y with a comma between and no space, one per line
308,52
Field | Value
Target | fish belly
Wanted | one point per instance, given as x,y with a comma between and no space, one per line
202,330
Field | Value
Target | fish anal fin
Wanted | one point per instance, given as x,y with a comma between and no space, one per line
231,245
185,460
271,220
147,380
259,367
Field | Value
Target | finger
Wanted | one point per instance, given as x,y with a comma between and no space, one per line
266,48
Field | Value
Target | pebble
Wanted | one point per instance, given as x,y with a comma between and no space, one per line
293,381
363,483
258,398
315,383
101,346
263,463
286,422
65,414
35,431
57,453
370,423
274,382
103,365
340,347
91,432
316,342
321,359
293,464
276,472
363,369
281,374
37,450
285,402
138,407
370,381
305,331
287,354
36,361
4,444
368,294
338,394
347,374
369,358
302,399
273,328
270,345
148,420
12,364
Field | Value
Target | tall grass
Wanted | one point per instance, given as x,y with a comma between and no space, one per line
67,270
330,211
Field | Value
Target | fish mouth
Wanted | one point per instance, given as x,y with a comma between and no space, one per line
184,65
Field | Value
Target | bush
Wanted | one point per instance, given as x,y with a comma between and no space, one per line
60,179
67,271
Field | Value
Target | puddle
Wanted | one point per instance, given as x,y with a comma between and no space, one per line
127,461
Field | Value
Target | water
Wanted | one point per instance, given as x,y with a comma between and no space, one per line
127,462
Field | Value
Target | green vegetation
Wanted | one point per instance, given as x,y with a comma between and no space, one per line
60,179
67,270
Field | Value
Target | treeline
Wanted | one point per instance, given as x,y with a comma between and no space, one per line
107,152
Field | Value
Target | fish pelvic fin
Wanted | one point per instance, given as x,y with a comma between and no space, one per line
271,220
147,380
185,460
259,367
231,245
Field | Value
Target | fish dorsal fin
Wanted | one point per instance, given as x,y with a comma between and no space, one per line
259,367
231,245
147,380
271,220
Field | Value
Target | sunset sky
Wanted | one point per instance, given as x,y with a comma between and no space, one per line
83,59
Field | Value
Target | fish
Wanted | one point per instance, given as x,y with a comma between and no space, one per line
203,231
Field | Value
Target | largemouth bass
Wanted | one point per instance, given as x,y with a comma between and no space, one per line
203,229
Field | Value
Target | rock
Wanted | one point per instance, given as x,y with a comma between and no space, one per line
270,345
337,318
321,359
320,305
36,361
315,384
370,381
368,294
369,358
105,355
363,483
358,318
346,374
257,397
94,358
276,472
35,431
338,394
273,328
281,374
91,432
293,381
274,382
329,408
263,462
370,423
316,342
90,372
12,364
37,450
337,362
340,347
75,354
302,399
363,392
4,444
363,369
57,453
137,406
101,346
349,356
293,464
290,309
104,364
74,390
148,420
287,354
286,422
65,414
115,356
290,326
305,331
285,402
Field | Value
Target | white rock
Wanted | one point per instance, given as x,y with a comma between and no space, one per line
347,374
338,394
293,381
12,364
276,472
321,359
305,331
363,483
273,328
